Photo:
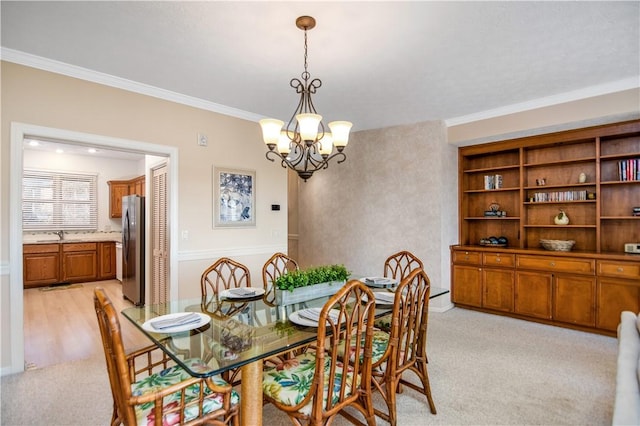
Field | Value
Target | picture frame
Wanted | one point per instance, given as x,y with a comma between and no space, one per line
234,197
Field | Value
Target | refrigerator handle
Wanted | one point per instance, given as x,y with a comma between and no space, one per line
127,235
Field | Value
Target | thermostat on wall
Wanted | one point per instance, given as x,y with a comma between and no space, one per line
632,248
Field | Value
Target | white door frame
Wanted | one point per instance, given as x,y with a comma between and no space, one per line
20,131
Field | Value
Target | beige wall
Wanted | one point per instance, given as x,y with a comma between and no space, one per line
42,98
397,190
596,110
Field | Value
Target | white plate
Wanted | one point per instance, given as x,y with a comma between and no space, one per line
204,319
384,282
228,293
297,319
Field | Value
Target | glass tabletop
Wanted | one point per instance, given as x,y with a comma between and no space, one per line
229,333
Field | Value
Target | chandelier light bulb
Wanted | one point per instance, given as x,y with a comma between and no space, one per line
308,126
340,131
284,144
271,131
325,145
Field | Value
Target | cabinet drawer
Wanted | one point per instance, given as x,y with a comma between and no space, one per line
619,269
467,257
499,259
40,248
79,247
557,264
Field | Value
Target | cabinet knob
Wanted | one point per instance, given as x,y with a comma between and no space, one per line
620,269
498,259
552,263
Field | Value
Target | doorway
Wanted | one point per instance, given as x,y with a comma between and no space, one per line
20,132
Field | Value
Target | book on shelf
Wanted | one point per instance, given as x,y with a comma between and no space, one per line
629,170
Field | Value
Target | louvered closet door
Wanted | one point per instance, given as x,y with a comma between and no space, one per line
159,241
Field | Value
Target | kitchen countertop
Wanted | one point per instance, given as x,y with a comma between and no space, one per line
73,238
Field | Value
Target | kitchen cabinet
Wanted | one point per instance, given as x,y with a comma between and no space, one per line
120,188
79,262
40,264
68,262
106,260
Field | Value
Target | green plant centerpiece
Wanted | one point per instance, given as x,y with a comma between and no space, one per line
306,284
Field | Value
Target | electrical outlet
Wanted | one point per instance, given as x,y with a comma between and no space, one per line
185,235
202,139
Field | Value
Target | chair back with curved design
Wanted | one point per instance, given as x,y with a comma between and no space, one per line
407,343
224,274
317,385
277,265
147,389
400,265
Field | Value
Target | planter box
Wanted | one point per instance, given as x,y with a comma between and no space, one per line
302,294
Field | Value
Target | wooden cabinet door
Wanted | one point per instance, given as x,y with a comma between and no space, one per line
117,190
498,289
467,285
138,186
615,296
574,299
533,294
79,262
107,261
40,265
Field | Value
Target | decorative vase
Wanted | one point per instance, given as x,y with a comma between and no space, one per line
302,294
561,218
582,178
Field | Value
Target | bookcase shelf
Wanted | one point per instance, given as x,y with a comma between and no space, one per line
602,222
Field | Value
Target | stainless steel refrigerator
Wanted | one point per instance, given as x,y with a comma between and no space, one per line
133,259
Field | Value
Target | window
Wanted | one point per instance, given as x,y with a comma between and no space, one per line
54,201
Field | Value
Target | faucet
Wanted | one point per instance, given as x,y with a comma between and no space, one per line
60,234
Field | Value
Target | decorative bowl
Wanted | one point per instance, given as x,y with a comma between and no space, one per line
557,245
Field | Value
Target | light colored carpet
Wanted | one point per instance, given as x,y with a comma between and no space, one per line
484,370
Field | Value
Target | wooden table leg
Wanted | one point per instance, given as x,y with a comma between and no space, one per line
251,394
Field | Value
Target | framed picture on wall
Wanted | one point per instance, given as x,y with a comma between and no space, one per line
234,197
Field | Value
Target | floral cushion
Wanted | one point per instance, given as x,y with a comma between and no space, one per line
380,343
289,382
383,323
171,376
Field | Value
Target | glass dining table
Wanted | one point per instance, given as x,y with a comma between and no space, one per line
232,332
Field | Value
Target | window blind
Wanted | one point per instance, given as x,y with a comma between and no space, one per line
54,201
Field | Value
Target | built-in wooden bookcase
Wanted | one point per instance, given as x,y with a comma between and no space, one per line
586,288
541,176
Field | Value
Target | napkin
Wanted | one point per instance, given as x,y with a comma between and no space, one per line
313,314
242,291
385,297
378,280
175,321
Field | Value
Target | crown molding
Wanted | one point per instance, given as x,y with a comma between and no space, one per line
575,95
58,67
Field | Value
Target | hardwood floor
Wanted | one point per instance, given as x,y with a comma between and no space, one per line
60,325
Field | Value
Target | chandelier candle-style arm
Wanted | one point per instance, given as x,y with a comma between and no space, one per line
303,144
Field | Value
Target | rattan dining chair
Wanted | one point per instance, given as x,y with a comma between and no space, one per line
277,265
404,348
398,266
224,274
147,389
316,386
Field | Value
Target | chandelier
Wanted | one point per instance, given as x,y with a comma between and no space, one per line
304,145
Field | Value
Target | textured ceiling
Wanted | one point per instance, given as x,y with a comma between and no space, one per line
381,63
